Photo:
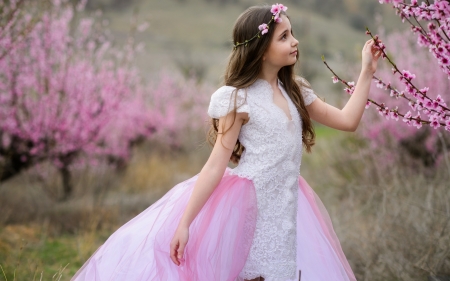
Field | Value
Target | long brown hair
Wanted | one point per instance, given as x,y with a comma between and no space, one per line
244,66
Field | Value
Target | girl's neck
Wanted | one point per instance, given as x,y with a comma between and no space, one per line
270,75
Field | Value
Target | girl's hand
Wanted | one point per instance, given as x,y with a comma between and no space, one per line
179,241
370,56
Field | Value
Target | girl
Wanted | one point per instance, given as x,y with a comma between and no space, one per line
260,220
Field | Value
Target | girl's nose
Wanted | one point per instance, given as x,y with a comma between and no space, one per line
295,42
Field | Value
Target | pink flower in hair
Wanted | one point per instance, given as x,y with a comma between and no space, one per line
264,28
282,7
275,9
277,18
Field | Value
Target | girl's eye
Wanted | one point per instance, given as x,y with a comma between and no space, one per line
284,36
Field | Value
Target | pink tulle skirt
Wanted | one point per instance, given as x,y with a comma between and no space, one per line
219,239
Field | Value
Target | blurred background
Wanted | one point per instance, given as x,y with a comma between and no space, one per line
103,109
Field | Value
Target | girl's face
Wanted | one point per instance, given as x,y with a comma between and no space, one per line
282,50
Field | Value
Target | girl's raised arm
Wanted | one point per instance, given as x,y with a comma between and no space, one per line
208,179
347,118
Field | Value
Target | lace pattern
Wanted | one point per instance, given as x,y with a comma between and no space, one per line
222,102
271,159
308,94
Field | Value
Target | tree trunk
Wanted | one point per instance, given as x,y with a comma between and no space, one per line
12,166
66,182
15,159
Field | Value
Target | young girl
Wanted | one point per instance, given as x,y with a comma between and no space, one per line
260,220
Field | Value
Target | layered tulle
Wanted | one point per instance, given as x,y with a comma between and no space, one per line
319,252
219,239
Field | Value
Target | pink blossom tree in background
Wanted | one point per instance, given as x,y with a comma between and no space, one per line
179,104
69,97
416,86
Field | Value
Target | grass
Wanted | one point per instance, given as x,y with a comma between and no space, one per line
326,132
30,254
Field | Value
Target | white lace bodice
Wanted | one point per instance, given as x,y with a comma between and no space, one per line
271,159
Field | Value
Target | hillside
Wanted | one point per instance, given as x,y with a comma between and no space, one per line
195,35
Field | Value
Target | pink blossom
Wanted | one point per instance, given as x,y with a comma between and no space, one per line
379,84
447,128
445,61
264,28
348,90
447,124
407,116
434,122
335,79
277,18
417,121
424,90
408,75
380,110
275,9
395,3
386,112
394,115
282,7
428,104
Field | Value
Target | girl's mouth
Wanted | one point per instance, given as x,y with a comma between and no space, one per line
294,52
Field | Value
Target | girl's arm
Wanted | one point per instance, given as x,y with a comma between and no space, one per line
347,118
209,177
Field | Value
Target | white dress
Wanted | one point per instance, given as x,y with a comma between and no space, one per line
263,219
271,159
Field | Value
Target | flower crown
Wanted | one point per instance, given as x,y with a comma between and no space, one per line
264,28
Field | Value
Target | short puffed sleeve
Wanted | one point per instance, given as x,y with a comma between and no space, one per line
307,92
223,102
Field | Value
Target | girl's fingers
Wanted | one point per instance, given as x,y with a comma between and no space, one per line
180,251
173,253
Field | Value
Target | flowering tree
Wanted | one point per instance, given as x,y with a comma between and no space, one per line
68,96
59,94
423,108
